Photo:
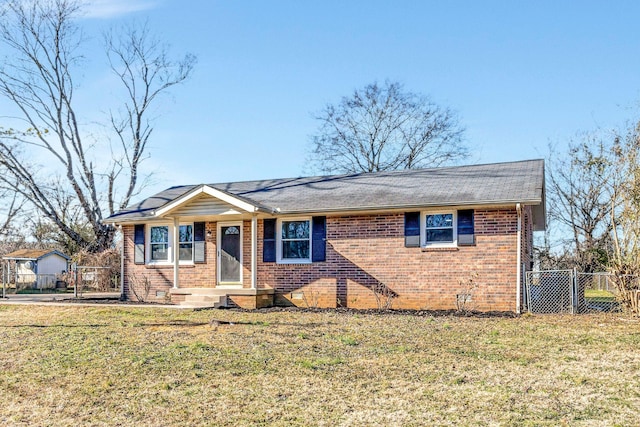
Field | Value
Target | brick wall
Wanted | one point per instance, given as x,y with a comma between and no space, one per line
191,275
367,265
161,276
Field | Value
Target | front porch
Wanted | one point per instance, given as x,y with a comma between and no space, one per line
201,250
220,297
229,215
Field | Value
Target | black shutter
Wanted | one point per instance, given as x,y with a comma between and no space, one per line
466,236
319,239
138,241
269,241
412,229
199,242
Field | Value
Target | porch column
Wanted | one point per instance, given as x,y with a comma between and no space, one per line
254,251
176,252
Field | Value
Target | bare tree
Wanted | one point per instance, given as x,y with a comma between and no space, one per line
10,211
12,231
579,195
44,44
625,218
594,192
382,128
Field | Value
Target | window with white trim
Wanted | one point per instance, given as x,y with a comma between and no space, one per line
159,243
186,242
439,229
294,240
160,240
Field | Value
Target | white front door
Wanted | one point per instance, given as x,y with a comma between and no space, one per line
230,253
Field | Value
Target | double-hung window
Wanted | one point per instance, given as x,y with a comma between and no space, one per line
294,237
159,243
186,243
440,229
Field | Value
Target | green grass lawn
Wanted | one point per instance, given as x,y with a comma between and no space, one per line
157,367
600,295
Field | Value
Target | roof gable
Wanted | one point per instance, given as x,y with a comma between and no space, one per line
204,205
218,201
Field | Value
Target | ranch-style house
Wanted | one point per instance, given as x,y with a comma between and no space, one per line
427,239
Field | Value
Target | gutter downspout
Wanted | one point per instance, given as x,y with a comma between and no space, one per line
123,297
519,258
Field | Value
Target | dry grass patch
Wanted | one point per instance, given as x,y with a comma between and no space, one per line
156,367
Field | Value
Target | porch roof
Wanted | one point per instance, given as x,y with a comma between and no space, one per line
488,184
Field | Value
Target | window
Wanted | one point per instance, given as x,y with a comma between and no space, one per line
159,242
186,243
440,229
295,241
452,228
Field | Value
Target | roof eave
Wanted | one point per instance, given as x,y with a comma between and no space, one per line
532,202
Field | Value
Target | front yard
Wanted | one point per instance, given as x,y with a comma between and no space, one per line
157,367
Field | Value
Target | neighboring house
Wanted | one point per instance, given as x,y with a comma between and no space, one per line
417,239
35,267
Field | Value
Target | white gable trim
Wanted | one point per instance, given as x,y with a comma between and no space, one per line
204,189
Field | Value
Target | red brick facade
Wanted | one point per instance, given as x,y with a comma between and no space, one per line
368,266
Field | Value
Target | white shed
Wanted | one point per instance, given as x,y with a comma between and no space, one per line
36,267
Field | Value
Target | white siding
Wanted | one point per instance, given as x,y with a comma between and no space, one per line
24,274
52,264
206,205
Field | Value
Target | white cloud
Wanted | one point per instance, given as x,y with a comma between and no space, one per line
103,9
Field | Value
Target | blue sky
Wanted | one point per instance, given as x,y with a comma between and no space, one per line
520,74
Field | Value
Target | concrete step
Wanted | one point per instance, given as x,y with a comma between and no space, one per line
200,291
204,301
202,298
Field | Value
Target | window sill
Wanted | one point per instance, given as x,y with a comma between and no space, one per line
167,266
293,261
439,249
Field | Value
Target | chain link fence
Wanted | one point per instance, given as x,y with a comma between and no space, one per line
98,279
549,291
570,292
88,279
41,282
80,279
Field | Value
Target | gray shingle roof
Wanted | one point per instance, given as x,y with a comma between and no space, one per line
33,254
498,183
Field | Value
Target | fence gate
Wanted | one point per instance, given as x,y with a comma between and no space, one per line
551,291
569,291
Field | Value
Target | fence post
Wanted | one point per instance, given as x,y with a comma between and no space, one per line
4,283
527,288
74,274
574,297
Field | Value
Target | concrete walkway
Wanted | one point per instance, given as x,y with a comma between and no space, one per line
59,298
